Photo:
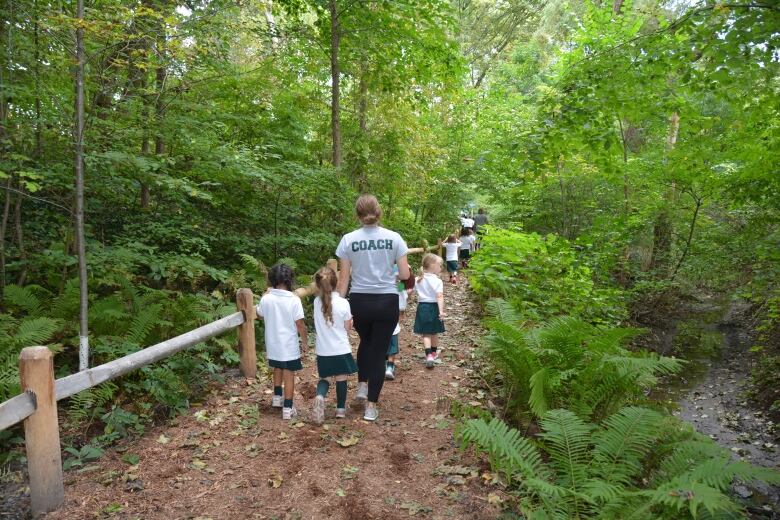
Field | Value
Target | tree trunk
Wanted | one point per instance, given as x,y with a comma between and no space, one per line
625,165
662,229
38,150
19,235
335,76
79,170
564,216
361,174
3,228
269,19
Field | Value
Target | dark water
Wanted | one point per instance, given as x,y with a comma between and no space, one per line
710,394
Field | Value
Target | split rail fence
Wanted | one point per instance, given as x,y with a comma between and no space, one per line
37,404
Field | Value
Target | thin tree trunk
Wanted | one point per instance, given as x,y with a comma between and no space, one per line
662,229
79,170
272,28
698,202
362,181
335,75
564,215
625,165
3,228
38,151
19,235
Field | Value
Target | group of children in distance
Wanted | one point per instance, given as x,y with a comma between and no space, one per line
282,312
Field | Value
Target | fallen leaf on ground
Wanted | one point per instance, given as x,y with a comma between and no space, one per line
275,481
346,442
162,439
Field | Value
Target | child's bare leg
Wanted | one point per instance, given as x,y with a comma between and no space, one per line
427,343
277,377
434,344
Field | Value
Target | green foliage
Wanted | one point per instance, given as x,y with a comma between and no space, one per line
569,363
636,464
541,277
81,456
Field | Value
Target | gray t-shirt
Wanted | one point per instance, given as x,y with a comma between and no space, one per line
373,251
480,219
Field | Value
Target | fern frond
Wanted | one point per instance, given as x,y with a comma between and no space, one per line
143,323
502,310
628,436
36,331
567,440
508,451
23,298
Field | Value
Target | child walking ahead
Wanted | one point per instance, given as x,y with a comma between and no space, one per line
429,321
452,245
332,320
283,314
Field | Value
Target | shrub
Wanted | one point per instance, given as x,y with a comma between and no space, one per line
541,278
637,464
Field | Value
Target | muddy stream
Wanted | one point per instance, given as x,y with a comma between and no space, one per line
710,394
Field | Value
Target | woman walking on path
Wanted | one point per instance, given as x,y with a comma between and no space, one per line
367,257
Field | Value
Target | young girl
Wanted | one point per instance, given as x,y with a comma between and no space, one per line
467,240
394,348
332,320
429,320
283,314
452,245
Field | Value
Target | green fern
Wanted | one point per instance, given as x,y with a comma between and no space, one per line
613,471
22,298
568,363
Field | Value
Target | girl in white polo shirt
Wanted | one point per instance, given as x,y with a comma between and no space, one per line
332,320
429,321
282,312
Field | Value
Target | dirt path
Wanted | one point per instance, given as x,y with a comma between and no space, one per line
233,456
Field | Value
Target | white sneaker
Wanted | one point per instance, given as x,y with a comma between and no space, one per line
429,361
289,413
318,410
362,392
371,414
390,373
277,401
436,358
341,413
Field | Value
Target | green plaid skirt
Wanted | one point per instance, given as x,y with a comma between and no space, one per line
427,320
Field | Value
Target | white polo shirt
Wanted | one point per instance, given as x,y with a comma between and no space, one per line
428,288
452,250
466,241
373,251
280,310
332,338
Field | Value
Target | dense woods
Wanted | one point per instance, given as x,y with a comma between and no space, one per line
628,154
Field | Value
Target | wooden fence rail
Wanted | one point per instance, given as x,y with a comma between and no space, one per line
37,405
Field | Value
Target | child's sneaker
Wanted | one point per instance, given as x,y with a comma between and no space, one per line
429,361
371,414
436,358
454,280
362,392
289,413
318,410
341,413
390,373
277,401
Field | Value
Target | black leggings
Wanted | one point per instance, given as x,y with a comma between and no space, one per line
376,316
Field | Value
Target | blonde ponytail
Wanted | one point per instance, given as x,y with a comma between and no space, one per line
325,281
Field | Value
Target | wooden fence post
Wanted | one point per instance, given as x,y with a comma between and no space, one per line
246,334
41,431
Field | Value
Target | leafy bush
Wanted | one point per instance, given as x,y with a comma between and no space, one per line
541,277
637,464
568,363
